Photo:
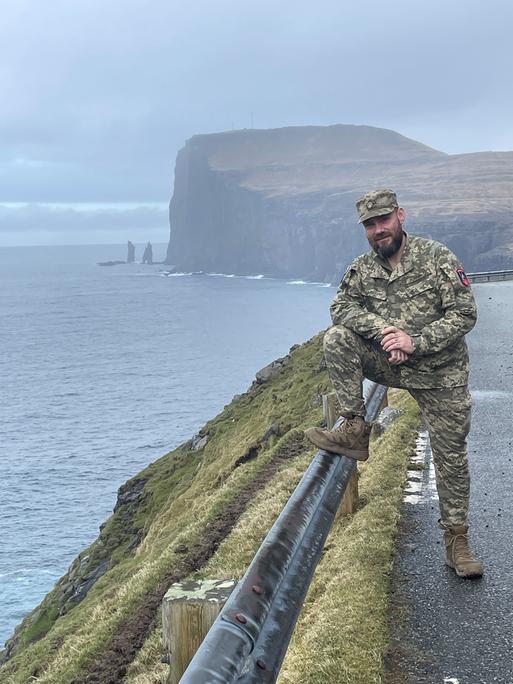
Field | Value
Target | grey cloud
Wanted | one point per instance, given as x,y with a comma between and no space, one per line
104,94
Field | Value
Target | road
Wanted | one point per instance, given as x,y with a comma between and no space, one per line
445,629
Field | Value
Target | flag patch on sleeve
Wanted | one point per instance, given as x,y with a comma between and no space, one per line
463,277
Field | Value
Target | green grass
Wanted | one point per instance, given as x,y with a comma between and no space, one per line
341,636
43,622
186,492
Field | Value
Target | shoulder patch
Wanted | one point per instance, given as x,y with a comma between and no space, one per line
463,277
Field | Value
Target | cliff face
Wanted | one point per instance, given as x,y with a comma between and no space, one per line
281,202
168,522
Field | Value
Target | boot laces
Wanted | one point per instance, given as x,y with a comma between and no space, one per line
347,425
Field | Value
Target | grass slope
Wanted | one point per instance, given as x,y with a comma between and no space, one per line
205,512
342,634
184,505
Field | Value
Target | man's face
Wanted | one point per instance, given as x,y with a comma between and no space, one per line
385,233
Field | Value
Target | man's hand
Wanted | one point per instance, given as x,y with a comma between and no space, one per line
397,357
395,339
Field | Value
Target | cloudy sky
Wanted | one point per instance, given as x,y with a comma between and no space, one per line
98,96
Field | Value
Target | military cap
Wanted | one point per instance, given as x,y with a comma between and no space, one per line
376,203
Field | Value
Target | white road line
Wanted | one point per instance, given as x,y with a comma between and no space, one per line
415,492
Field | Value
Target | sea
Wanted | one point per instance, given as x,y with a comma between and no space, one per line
103,370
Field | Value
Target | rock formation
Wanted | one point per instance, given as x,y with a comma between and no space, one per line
130,256
148,254
281,202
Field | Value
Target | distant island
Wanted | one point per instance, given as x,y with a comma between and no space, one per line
280,202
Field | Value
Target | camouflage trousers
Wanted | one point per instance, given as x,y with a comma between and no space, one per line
350,358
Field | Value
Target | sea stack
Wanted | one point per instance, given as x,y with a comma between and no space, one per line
130,257
148,254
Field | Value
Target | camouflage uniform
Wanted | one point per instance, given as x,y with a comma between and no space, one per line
428,296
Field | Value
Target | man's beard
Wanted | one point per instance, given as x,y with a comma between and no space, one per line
387,251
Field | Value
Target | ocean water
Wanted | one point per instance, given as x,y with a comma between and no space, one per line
104,369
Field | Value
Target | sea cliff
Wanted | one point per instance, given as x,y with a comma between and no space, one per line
280,202
202,510
167,523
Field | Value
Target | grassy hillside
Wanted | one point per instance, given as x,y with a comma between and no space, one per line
203,509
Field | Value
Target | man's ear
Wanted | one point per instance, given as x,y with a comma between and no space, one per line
401,215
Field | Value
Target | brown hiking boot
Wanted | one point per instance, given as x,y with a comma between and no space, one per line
351,438
459,555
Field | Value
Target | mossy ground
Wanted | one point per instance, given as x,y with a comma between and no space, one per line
342,634
206,512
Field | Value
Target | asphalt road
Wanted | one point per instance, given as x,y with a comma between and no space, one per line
446,629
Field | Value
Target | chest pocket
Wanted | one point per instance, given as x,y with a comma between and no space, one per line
422,288
376,300
375,293
422,302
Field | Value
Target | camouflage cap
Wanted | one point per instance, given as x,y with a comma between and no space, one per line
376,203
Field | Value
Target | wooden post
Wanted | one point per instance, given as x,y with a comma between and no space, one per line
349,502
330,409
188,611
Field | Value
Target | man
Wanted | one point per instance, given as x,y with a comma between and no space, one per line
399,318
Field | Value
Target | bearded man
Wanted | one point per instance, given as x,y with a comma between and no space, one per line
399,318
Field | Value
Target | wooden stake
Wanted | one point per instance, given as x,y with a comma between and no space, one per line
188,611
330,409
349,502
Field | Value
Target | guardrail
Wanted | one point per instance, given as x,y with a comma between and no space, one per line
489,276
248,641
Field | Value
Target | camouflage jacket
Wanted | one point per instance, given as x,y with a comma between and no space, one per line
427,295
